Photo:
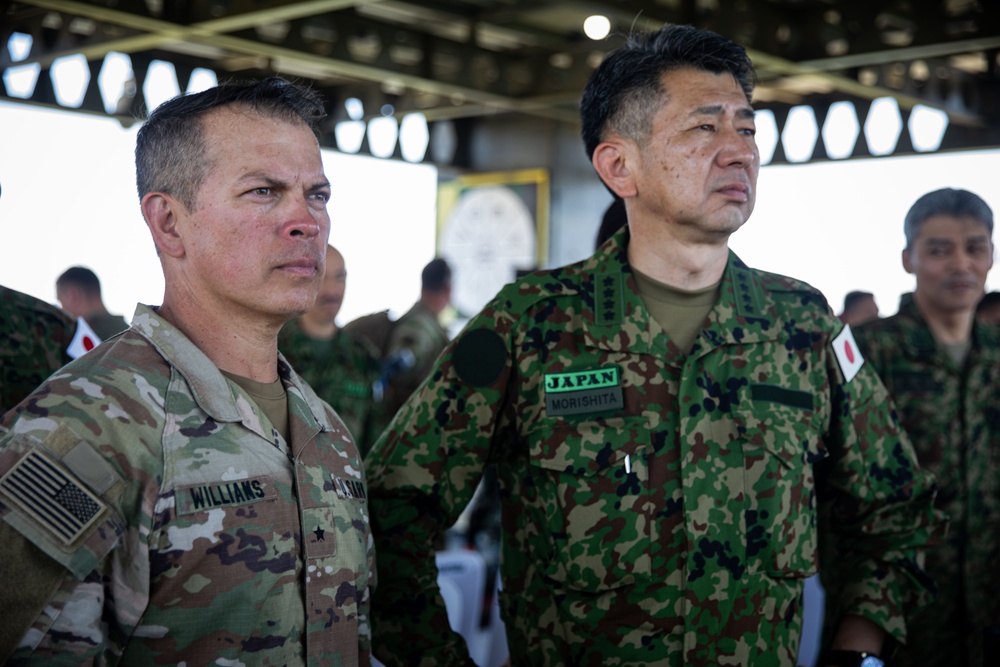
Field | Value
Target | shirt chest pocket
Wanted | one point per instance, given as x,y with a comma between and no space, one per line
592,477
779,442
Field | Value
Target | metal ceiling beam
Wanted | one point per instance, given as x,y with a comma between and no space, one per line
211,33
163,33
903,54
768,64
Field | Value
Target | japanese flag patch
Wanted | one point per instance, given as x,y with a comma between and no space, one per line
848,355
84,341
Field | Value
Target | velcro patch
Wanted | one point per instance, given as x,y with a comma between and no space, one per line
204,497
772,394
582,392
51,496
350,488
480,357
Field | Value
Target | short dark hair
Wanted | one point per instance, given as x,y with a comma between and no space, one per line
953,202
852,299
626,90
436,276
83,278
170,147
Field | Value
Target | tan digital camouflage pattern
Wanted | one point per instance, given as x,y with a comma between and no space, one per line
216,542
33,340
418,331
343,372
676,530
952,415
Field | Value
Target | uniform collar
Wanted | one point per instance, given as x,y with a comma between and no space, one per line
212,392
620,321
918,341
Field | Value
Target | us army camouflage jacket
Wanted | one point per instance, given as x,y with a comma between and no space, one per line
343,372
33,341
659,508
181,525
952,415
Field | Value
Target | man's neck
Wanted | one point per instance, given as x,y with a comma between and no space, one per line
97,310
318,330
947,327
679,263
239,345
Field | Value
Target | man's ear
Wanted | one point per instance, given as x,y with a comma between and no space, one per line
906,261
160,211
614,161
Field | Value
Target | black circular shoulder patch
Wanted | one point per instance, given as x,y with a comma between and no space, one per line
479,357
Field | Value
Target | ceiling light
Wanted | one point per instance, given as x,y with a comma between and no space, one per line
767,134
382,134
883,126
597,27
927,127
70,78
841,130
800,134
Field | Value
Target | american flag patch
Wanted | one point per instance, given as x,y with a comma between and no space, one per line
61,504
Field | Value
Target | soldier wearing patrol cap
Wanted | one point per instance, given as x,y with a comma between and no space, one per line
179,495
942,369
673,431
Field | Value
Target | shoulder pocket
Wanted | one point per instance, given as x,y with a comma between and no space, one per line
52,508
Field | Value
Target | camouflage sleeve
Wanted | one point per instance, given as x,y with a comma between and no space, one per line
422,473
877,505
78,572
38,579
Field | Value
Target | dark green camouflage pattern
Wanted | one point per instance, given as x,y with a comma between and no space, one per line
343,372
33,341
675,530
216,541
952,415
418,331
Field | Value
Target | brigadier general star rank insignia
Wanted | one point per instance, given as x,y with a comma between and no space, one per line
320,534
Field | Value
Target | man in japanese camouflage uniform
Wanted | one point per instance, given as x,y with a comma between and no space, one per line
942,369
34,339
659,415
343,370
179,495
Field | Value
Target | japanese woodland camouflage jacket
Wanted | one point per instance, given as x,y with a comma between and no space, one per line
343,372
952,415
181,526
659,508
33,341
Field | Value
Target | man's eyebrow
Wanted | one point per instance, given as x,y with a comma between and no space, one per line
717,109
272,182
267,180
707,110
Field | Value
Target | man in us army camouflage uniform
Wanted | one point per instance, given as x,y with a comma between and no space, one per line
342,370
179,495
658,415
942,369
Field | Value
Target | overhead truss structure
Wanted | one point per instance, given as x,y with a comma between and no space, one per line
463,60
